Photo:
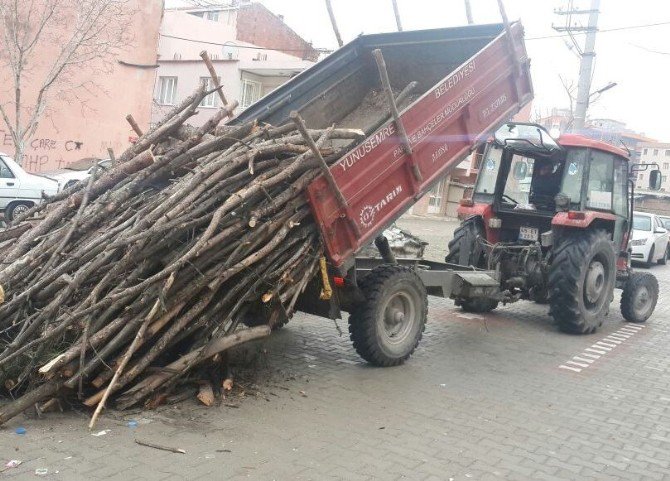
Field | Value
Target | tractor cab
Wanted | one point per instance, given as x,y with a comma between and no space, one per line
552,219
534,184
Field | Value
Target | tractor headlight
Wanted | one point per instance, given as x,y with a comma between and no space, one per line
638,242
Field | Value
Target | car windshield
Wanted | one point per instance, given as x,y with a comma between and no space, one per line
641,222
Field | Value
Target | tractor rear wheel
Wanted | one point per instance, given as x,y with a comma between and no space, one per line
581,281
465,251
639,297
388,325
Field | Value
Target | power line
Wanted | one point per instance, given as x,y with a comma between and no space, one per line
604,30
232,44
649,49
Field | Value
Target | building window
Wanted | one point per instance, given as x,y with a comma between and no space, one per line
655,152
212,100
251,92
641,177
167,90
644,152
667,153
666,166
212,15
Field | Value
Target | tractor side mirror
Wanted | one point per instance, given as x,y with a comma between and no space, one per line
520,170
655,179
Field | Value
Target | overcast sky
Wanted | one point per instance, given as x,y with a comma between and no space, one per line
628,57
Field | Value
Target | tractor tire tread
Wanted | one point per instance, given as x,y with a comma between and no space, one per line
628,293
563,282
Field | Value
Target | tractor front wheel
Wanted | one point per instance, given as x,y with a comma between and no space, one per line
639,297
581,281
387,326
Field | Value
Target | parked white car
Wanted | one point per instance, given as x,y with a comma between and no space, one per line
19,190
650,239
68,177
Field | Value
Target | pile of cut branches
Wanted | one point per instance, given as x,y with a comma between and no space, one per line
125,283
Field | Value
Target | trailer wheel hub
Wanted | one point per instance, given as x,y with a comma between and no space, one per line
398,315
594,283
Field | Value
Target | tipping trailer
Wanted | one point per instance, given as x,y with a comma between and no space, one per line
469,81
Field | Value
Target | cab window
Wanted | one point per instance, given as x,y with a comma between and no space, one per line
573,173
5,173
517,189
488,171
620,197
601,180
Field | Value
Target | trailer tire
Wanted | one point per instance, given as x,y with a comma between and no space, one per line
581,281
639,297
386,328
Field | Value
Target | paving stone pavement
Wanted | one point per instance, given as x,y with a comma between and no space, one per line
483,398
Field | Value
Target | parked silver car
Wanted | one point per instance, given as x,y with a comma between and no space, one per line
73,173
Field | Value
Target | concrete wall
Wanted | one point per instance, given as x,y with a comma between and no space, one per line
654,205
84,122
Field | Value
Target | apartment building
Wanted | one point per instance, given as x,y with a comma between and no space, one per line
655,153
246,70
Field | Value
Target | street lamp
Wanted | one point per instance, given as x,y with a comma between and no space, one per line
606,87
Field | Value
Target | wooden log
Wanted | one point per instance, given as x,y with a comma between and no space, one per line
206,393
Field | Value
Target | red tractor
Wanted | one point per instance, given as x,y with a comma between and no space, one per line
551,221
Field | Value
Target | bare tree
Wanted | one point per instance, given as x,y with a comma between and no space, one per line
44,46
570,91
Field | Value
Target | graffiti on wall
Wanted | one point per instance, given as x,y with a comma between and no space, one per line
43,153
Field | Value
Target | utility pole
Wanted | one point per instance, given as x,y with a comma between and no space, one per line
468,12
397,15
586,56
334,23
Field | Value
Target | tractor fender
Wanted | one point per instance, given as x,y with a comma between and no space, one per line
482,213
588,219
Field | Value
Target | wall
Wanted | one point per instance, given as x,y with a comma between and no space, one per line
85,125
258,25
188,75
654,205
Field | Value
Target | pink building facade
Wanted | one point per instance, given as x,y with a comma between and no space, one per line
91,119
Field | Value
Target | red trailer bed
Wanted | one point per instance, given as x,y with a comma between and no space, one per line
443,126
